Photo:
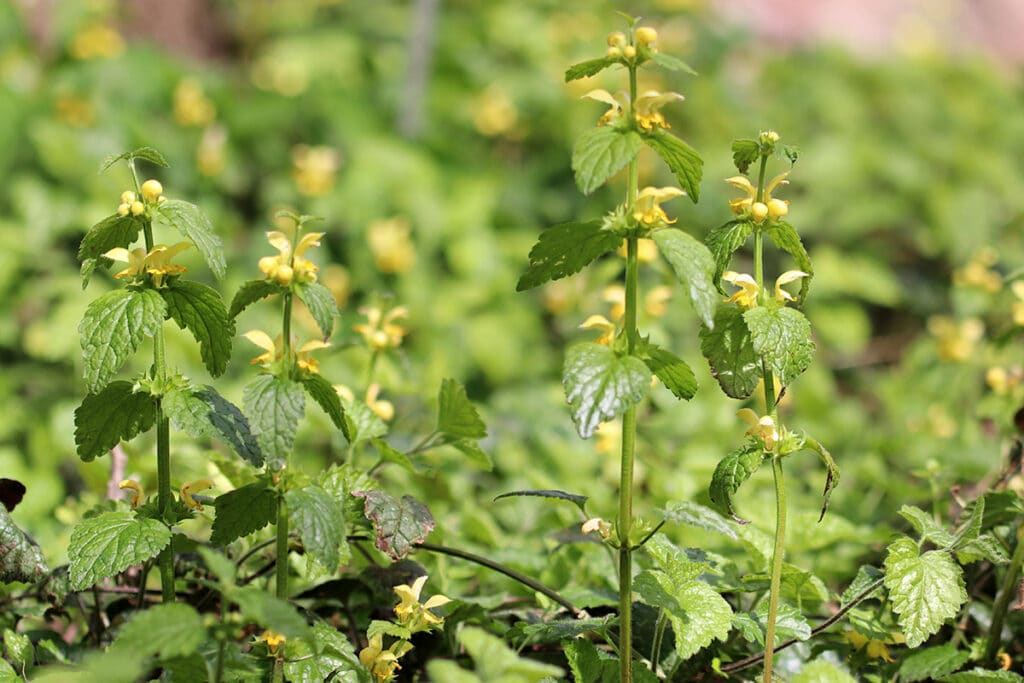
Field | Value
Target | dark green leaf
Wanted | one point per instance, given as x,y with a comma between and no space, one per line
113,327
325,656
730,352
682,160
321,305
671,63
970,524
789,624
274,407
926,590
243,511
147,153
270,612
699,516
168,630
977,675
600,385
113,231
251,292
786,238
21,560
399,524
566,249
321,391
195,226
200,310
320,522
202,412
575,498
600,153
587,68
731,472
109,543
558,630
744,153
694,266
782,337
931,663
456,416
673,372
113,415
723,241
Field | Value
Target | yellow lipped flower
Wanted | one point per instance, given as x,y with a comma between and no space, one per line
413,614
289,265
648,108
135,488
784,279
191,487
616,296
391,245
761,427
955,339
748,292
381,663
599,322
615,103
314,169
647,209
380,330
157,262
767,206
270,346
305,361
385,410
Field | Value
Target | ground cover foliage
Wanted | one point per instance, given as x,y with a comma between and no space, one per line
440,516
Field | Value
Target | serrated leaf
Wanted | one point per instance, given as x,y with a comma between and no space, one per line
200,310
21,560
109,543
564,250
600,385
969,524
558,630
113,327
822,671
985,547
270,612
587,68
672,371
168,630
744,153
673,561
472,450
694,267
671,63
733,470
789,623
399,524
362,424
697,613
321,305
931,663
600,153
699,516
147,153
321,391
320,522
113,415
456,416
202,412
782,337
926,526
251,292
723,241
243,511
195,226
978,675
326,655
681,159
390,454
274,407
113,231
18,649
867,575
786,238
587,663
926,589
729,351
576,499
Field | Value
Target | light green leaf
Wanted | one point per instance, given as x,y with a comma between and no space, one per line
390,454
821,671
970,524
926,527
600,153
320,523
587,68
400,524
697,515
21,560
789,623
600,385
682,160
786,238
113,415
361,423
925,589
782,336
195,226
694,266
326,656
731,472
168,630
674,562
202,412
985,547
243,511
113,231
723,241
18,649
564,250
109,543
274,407
673,372
496,662
867,575
744,153
671,63
251,292
931,663
697,613
200,310
147,153
321,391
113,327
587,663
456,416
730,352
978,675
321,305
472,450
270,612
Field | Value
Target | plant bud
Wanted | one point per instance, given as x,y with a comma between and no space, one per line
777,208
646,36
123,209
127,197
284,275
152,189
629,52
758,211
138,208
614,53
617,39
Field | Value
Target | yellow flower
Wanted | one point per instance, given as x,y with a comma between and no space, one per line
646,36
599,322
761,427
157,262
97,41
646,250
381,663
270,346
648,205
307,363
873,647
314,168
648,108
136,491
494,112
978,272
151,190
191,105
617,39
609,437
210,152
599,525
385,410
393,250
273,639
656,301
955,339
380,331
414,615
784,279
615,103
745,205
191,487
1018,306
748,292
288,265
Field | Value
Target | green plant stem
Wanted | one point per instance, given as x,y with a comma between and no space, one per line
1007,591
282,549
659,635
286,332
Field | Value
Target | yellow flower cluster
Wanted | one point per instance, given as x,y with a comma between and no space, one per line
274,351
97,41
289,265
156,262
314,169
383,663
647,210
749,292
955,340
191,105
757,211
152,193
391,246
762,427
619,46
380,331
978,272
646,112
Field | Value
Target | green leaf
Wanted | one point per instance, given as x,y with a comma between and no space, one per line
587,663
600,385
495,661
18,649
673,372
744,153
699,516
195,226
931,663
115,414
362,424
831,472
926,527
926,589
730,352
564,250
456,416
821,671
786,238
600,153
576,499
109,543
672,63
327,655
321,391
970,524
731,472
200,310
682,160
321,305
147,153
697,613
587,68
977,675
168,630
985,547
320,522
274,407
113,327
113,231
782,336
21,560
270,612
243,511
202,412
723,241
390,454
694,266
867,575
399,524
789,623
251,292
472,450
557,630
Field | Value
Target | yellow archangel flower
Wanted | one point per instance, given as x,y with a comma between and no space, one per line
274,351
749,292
380,331
413,614
648,108
135,488
599,322
157,262
288,265
776,208
647,209
761,427
191,487
273,639
616,103
383,663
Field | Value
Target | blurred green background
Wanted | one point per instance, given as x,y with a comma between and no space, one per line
435,139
